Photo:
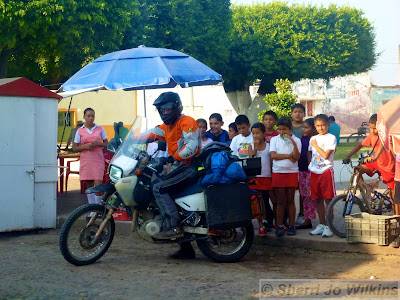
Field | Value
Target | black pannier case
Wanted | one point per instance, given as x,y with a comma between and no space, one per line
251,166
228,205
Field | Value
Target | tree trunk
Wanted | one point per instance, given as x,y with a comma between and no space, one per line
240,100
4,55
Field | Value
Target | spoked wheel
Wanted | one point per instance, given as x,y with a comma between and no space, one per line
78,242
336,214
228,245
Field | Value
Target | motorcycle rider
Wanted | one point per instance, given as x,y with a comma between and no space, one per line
181,134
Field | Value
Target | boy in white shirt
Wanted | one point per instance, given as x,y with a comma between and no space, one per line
241,144
322,148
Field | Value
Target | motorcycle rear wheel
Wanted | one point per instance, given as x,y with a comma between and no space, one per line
209,246
88,250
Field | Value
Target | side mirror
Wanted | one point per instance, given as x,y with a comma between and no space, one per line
162,146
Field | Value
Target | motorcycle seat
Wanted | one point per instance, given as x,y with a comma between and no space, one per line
189,190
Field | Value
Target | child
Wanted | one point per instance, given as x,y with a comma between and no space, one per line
304,175
216,133
241,144
269,121
285,152
380,160
298,113
202,124
322,148
90,140
233,131
262,183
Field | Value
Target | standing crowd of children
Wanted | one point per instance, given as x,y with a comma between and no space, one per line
295,154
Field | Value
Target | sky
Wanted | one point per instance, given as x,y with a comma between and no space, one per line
385,17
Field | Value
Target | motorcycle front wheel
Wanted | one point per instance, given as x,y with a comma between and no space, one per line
78,244
228,245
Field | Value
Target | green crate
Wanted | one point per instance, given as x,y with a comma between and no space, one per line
372,229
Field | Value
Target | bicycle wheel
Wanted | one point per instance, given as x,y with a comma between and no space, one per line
336,212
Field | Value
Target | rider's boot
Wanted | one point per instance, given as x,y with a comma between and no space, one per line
186,251
172,233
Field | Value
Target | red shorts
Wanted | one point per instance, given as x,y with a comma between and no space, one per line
387,177
323,185
261,183
285,180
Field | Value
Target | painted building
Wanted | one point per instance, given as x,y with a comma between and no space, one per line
110,107
347,98
382,94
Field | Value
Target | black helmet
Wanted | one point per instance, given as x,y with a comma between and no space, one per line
169,106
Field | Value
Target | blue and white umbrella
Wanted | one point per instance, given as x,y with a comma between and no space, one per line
141,68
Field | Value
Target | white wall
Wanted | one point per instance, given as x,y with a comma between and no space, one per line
198,102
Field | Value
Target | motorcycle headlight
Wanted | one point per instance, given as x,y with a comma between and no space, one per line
115,173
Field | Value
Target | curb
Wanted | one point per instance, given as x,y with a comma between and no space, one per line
334,245
301,241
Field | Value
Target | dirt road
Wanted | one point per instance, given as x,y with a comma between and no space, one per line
32,268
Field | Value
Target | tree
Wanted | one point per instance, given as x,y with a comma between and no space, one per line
59,41
25,24
198,28
282,100
277,40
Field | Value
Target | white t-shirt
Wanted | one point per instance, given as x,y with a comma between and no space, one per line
319,165
265,161
240,145
284,146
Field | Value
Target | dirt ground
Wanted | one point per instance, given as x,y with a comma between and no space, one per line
33,268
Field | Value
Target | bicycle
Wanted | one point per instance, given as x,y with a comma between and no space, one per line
368,200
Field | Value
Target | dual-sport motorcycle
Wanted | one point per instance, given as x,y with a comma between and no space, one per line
217,218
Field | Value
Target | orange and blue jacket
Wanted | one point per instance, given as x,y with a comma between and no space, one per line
182,138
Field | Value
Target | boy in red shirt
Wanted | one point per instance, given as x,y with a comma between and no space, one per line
269,120
380,160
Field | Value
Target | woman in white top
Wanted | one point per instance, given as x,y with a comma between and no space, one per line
285,152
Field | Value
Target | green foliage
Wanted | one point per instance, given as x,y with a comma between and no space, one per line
48,40
277,40
198,28
282,100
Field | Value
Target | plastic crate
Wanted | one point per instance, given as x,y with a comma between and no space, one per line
372,229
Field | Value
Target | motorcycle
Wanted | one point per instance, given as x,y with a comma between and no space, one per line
88,232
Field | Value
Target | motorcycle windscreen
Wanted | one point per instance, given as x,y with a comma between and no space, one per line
228,205
126,156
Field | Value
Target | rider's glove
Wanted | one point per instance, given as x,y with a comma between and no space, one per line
170,159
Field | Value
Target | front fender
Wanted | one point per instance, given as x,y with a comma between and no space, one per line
101,188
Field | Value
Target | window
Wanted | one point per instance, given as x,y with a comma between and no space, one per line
67,119
309,105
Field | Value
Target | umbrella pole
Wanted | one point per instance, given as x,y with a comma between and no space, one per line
65,125
144,106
